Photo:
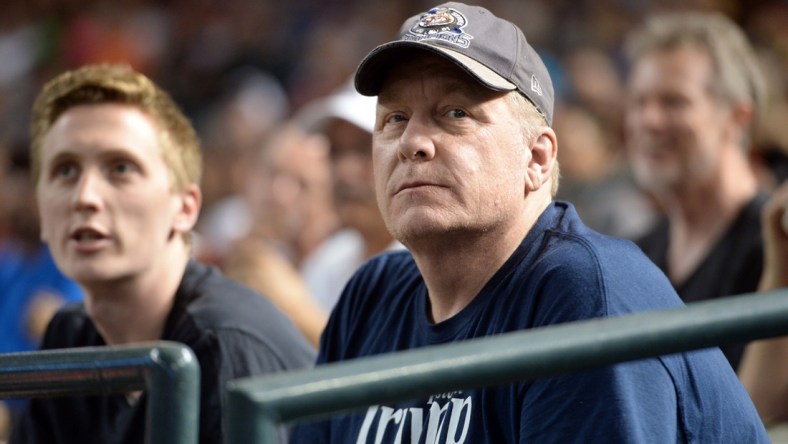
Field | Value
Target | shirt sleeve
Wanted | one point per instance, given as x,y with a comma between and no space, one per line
233,355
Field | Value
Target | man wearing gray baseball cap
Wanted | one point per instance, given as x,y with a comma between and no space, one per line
465,174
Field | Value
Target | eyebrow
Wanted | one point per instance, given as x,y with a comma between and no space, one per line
59,157
68,153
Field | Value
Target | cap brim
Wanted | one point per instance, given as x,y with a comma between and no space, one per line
372,71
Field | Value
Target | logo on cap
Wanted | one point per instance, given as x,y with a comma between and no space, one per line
535,85
442,24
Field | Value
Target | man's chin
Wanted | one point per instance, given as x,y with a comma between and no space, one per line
97,274
656,183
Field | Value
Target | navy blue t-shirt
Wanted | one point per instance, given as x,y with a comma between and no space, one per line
562,272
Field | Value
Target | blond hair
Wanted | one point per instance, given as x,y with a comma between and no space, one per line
100,84
531,119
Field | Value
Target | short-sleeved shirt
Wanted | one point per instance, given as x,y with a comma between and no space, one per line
562,272
233,331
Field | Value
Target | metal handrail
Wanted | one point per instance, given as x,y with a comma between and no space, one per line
168,370
257,405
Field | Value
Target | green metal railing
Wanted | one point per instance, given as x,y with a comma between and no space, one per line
257,405
168,370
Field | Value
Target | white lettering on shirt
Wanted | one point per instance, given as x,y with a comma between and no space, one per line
384,422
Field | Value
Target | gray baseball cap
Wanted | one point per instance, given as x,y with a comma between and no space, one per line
491,49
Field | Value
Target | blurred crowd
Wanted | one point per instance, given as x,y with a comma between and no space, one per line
257,79
240,67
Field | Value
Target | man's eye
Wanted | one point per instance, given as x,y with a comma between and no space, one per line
65,170
673,102
122,167
457,113
395,118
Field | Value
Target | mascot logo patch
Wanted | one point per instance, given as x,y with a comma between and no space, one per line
442,24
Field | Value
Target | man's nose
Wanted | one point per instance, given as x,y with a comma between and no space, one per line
651,114
417,141
87,194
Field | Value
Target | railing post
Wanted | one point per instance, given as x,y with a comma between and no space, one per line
246,422
173,396
168,370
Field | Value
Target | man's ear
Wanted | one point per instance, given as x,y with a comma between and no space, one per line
543,155
189,203
743,115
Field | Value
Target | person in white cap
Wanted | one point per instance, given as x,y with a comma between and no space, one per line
346,118
465,174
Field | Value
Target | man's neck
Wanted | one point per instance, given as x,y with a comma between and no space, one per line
135,309
377,238
699,217
456,269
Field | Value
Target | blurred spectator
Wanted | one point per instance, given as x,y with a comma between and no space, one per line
258,264
31,286
695,90
289,193
267,191
764,368
252,105
595,179
596,85
766,21
336,40
347,119
131,33
290,202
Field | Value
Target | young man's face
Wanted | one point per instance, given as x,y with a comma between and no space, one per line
450,156
107,207
676,127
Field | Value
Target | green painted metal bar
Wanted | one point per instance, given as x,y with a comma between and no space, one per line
257,405
168,370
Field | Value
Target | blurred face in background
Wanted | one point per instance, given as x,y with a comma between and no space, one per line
676,127
293,186
354,181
